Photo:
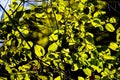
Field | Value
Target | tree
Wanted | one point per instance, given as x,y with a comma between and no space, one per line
60,39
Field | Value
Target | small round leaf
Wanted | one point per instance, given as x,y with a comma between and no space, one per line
109,27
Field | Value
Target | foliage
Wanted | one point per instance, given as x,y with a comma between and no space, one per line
60,39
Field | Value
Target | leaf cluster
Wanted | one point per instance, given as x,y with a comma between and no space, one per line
59,39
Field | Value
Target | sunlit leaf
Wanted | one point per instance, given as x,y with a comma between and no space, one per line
42,77
58,17
39,50
81,6
49,10
8,69
75,67
84,56
113,46
99,13
43,41
61,66
101,4
39,15
105,73
109,27
90,46
53,37
27,77
1,61
96,68
113,20
58,78
53,47
96,22
26,44
24,67
80,78
118,37
107,57
87,71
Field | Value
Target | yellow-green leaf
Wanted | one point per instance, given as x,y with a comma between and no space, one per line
118,37
109,27
27,77
87,71
75,67
80,78
98,13
112,20
39,15
49,10
58,17
43,41
53,37
57,78
53,47
109,57
113,46
28,46
39,50
42,77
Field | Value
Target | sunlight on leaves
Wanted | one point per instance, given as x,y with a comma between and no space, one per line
80,78
58,78
39,51
27,77
113,20
75,67
113,46
87,71
58,17
109,27
53,47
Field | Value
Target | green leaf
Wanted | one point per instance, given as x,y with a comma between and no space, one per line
58,17
75,67
80,78
53,47
53,37
109,27
58,78
42,77
96,68
96,22
26,44
7,67
39,15
118,37
113,46
99,13
113,20
27,77
49,10
83,1
1,61
84,56
107,57
39,50
87,71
